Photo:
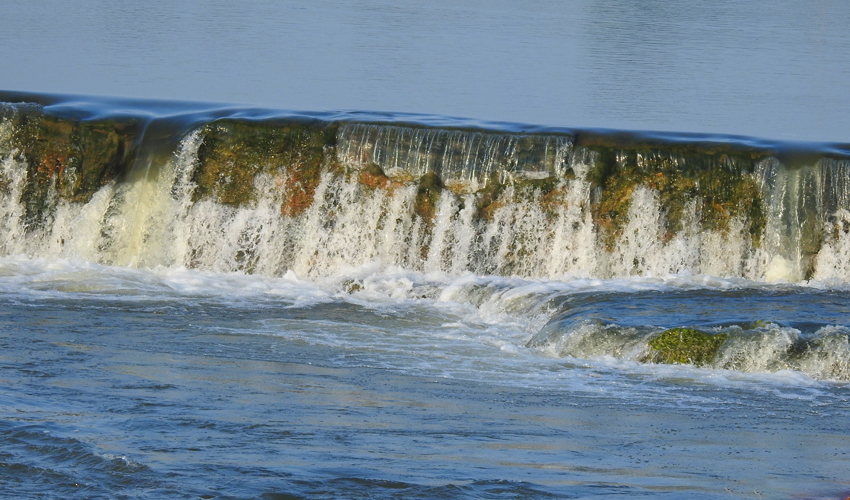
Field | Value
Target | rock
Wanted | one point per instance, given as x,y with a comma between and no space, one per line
427,194
351,286
685,346
66,158
234,152
373,177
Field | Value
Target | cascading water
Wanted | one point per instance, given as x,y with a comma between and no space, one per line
538,221
334,201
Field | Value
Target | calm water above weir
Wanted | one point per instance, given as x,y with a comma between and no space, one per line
777,70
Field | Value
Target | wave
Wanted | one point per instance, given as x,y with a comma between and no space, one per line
742,329
517,331
36,461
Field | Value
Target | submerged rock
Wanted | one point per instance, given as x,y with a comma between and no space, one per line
685,346
352,286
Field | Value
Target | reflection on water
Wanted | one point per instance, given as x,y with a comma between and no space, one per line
776,71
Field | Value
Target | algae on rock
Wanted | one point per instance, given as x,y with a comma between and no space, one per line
68,158
685,346
234,152
427,195
719,177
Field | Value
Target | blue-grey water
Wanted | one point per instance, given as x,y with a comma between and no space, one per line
129,370
778,70
178,384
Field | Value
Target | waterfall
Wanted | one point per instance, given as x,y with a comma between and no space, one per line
324,199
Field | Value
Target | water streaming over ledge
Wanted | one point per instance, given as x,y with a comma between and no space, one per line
326,197
318,196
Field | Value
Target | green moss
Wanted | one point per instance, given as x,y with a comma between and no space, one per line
427,194
69,159
685,346
487,198
542,186
720,178
548,189
234,152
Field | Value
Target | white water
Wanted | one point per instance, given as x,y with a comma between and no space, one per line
154,222
371,242
199,379
84,336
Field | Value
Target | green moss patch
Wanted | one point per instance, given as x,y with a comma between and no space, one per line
427,195
67,158
234,152
685,346
720,178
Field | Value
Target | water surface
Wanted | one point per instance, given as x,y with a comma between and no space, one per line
777,71
160,342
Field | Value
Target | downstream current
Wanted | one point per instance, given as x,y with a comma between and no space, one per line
199,302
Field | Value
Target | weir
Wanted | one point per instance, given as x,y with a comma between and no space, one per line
323,196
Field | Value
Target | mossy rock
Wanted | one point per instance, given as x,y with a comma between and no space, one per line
69,158
722,178
543,186
487,198
549,189
373,177
685,346
234,152
427,195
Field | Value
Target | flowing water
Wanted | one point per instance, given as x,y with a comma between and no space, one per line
222,303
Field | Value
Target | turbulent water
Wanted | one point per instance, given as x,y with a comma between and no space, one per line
240,304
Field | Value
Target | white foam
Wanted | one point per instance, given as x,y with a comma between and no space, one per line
489,280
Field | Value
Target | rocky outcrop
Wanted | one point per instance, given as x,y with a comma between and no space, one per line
685,346
65,157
